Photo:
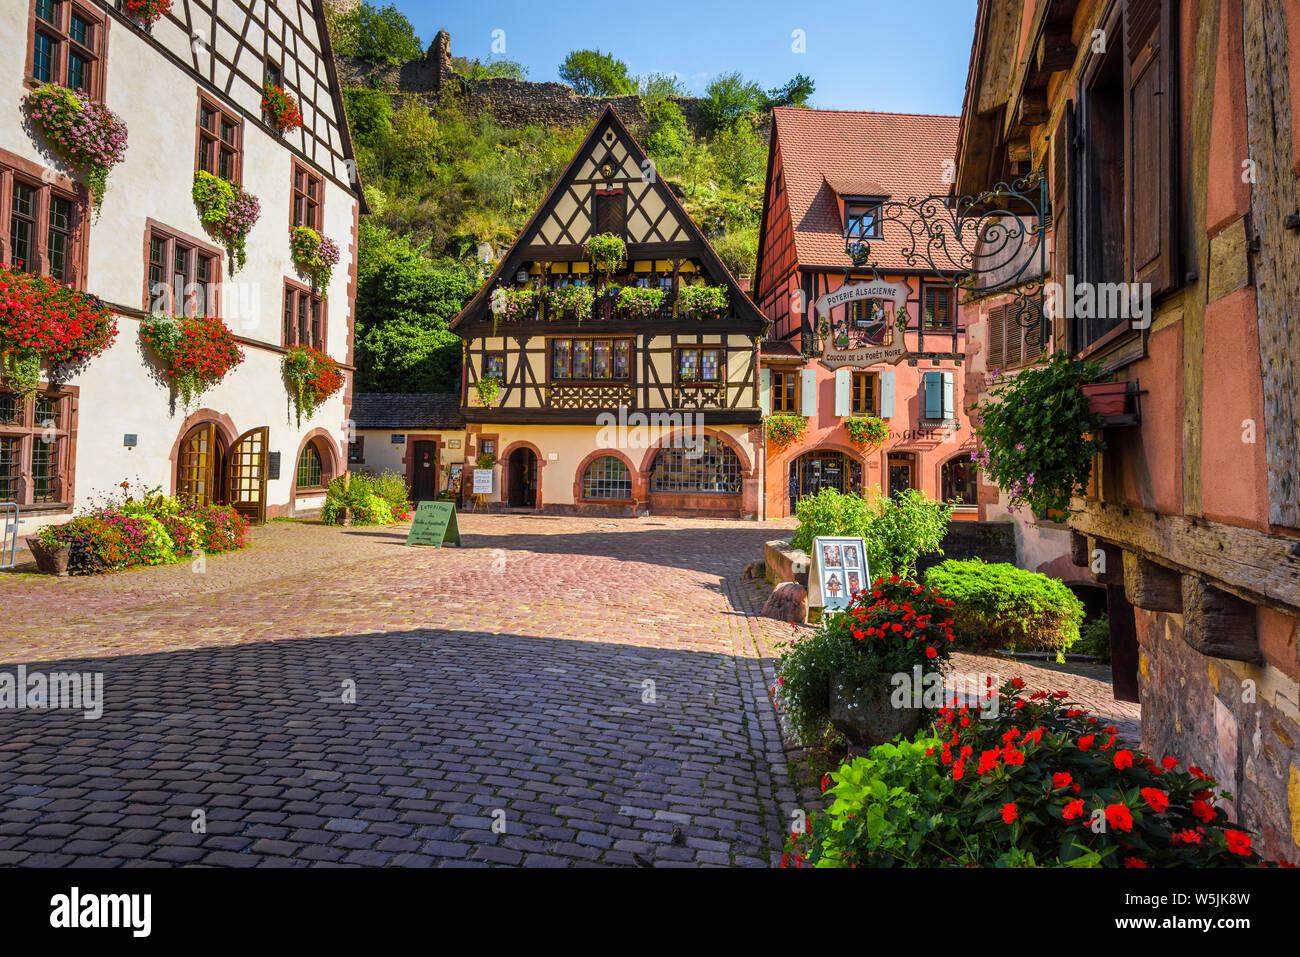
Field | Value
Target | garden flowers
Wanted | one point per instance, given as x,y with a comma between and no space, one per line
89,136
281,108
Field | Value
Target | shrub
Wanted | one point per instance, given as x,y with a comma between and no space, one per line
370,499
898,529
379,36
1094,639
895,627
1024,782
727,99
1002,606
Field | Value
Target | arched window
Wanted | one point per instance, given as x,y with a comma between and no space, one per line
311,470
607,477
960,481
706,466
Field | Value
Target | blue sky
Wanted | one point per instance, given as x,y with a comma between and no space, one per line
908,56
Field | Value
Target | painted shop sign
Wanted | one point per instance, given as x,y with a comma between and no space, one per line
434,525
866,342
839,569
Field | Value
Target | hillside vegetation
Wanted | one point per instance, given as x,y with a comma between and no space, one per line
448,190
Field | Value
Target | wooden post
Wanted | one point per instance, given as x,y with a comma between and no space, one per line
1218,624
1123,645
1080,553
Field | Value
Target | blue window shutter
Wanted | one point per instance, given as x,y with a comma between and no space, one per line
887,394
765,391
808,393
948,390
932,386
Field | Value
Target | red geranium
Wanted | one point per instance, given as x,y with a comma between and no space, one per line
42,321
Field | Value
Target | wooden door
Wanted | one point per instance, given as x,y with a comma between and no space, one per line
424,477
902,473
198,465
246,474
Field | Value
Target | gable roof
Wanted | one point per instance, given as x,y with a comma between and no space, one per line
827,154
387,410
479,305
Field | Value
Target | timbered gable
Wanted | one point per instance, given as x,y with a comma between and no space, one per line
234,45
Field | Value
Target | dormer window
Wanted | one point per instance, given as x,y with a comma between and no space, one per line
861,221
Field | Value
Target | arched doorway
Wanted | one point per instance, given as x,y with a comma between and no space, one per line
521,471
823,468
199,475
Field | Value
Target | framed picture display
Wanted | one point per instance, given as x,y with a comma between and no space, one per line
839,569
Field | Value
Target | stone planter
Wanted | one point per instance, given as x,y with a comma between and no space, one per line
50,561
866,717
1107,398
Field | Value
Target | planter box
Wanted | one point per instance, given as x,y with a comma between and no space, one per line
1107,398
866,716
50,561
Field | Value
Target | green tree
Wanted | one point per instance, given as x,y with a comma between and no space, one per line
405,303
473,69
380,36
739,156
728,98
669,133
794,93
592,73
738,250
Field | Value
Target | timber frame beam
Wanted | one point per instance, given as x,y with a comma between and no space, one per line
1260,568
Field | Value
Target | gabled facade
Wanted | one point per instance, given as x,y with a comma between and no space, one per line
615,411
1168,131
829,171
189,89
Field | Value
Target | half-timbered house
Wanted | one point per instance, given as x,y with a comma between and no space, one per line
614,409
829,174
189,88
1168,132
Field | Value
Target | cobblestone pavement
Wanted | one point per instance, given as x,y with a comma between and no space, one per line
562,691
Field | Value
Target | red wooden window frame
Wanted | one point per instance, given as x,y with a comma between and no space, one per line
304,208
210,133
28,428
297,316
45,186
195,252
65,43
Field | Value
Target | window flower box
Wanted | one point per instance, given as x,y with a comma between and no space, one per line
88,136
281,109
516,304
147,12
702,302
570,302
640,302
314,255
1106,398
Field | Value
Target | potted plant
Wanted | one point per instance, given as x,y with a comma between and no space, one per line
1106,398
147,12
488,389
784,429
196,351
845,673
89,136
866,431
515,303
51,554
607,253
485,460
314,255
228,212
281,108
312,377
640,302
570,302
1038,435
702,302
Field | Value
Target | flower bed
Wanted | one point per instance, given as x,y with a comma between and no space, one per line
281,108
570,302
785,429
152,529
312,377
42,322
228,212
196,351
1001,606
89,136
1022,782
702,302
314,255
367,499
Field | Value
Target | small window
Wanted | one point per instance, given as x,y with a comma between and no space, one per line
22,227
783,391
67,45
598,359
864,393
861,221
184,276
35,449
311,469
357,451
220,142
274,76
42,230
308,191
494,366
608,478
304,318
938,315
699,366
937,395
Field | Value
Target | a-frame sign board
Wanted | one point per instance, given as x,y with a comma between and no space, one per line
434,524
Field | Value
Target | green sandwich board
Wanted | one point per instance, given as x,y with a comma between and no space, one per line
434,524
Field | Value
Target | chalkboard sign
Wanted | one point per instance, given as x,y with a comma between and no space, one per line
434,524
272,466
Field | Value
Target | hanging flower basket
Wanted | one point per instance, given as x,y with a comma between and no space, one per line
281,109
228,213
88,136
314,255
312,377
702,302
866,431
44,323
640,302
570,302
147,12
196,351
607,253
515,304
488,389
784,429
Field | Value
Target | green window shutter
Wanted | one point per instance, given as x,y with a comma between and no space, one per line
765,391
887,394
932,396
808,392
949,387
843,392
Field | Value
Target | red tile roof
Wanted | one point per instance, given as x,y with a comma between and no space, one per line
900,155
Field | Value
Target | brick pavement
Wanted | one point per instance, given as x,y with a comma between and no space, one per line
506,682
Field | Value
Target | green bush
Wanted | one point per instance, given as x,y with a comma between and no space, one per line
898,529
728,99
1094,639
1002,606
371,499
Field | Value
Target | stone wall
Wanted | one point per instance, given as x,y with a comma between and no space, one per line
1240,722
991,541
